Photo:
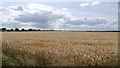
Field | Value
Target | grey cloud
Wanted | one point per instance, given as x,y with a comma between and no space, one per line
35,17
41,26
91,24
11,24
86,21
42,17
18,8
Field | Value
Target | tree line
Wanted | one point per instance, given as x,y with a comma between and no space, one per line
17,29
20,30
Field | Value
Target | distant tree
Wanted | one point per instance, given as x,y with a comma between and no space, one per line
11,29
30,29
3,29
39,30
22,29
34,29
16,29
52,30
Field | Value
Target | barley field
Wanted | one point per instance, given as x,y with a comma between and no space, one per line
59,48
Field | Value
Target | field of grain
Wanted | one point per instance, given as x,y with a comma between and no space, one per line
59,48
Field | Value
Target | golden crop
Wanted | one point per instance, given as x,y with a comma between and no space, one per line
59,48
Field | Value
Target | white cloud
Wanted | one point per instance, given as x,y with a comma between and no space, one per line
17,8
41,16
89,4
84,4
95,3
47,17
1,8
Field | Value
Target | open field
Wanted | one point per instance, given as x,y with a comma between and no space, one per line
59,48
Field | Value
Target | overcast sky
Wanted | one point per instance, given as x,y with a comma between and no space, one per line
60,15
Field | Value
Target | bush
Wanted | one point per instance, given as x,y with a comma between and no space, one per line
16,29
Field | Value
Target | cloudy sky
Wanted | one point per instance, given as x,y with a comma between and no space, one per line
60,15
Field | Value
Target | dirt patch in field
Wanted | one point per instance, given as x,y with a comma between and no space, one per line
39,45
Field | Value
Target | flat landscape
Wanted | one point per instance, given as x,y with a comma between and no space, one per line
59,48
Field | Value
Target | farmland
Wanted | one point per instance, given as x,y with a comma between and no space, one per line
59,48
